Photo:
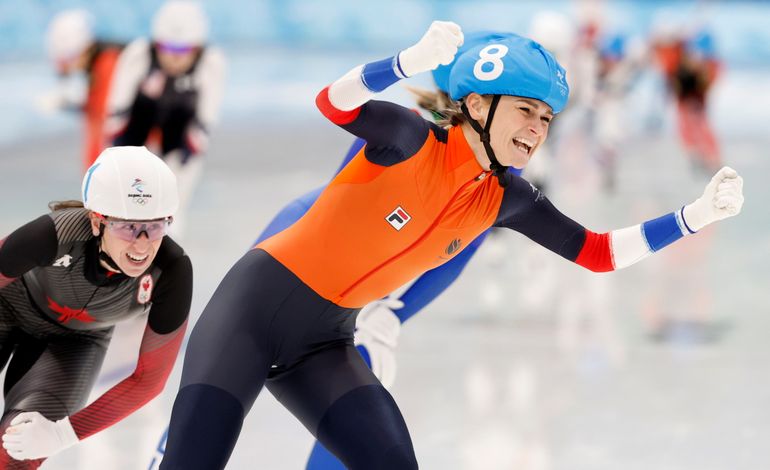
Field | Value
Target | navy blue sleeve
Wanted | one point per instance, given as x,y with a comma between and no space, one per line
393,133
526,210
29,246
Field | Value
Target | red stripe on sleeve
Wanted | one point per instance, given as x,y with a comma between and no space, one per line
333,114
156,359
596,253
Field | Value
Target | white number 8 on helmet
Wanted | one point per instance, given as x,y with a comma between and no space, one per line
130,183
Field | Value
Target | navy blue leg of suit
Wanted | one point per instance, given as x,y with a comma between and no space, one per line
264,326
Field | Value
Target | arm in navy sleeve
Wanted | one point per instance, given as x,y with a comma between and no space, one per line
392,132
526,210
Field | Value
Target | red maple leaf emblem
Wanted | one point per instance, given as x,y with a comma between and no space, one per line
66,314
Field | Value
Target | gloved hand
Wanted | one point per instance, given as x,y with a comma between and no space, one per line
33,436
377,329
438,46
722,198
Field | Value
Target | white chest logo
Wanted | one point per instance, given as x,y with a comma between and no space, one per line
63,262
398,218
145,289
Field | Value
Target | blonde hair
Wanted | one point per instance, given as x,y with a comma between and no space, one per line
445,110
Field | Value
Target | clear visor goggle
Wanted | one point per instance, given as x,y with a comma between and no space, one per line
130,230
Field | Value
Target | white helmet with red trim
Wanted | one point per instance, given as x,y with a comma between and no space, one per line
180,23
130,183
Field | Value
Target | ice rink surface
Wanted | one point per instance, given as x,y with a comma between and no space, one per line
527,362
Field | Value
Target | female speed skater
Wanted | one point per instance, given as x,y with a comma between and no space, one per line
378,325
74,49
66,279
170,88
410,200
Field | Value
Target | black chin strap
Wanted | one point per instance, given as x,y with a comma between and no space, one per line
494,165
109,261
104,256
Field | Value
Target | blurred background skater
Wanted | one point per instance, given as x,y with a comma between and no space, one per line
696,71
621,62
167,93
680,309
77,55
66,279
687,58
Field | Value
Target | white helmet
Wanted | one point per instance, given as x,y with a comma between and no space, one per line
69,34
130,183
554,30
180,22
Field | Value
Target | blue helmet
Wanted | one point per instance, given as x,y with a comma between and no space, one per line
702,43
514,66
441,74
613,47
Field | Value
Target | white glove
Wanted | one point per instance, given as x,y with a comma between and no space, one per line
377,329
438,46
33,436
722,198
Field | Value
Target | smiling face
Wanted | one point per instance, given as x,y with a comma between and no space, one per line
519,127
132,257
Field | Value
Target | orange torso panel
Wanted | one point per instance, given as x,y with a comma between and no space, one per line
346,249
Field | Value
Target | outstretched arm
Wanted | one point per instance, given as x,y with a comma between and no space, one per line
346,102
527,211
